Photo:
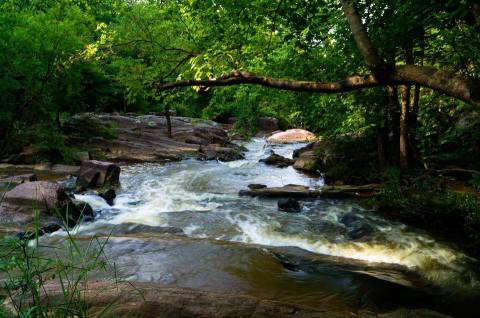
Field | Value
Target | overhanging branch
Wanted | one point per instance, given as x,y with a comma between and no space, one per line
449,83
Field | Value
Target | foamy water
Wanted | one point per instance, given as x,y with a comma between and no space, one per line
202,199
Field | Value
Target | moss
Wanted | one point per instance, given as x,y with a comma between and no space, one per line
85,127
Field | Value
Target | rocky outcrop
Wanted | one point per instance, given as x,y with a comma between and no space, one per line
277,161
291,136
134,299
98,174
16,180
47,198
289,205
299,191
131,138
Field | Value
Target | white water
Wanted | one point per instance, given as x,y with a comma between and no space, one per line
202,199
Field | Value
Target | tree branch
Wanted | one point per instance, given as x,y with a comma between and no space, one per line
449,83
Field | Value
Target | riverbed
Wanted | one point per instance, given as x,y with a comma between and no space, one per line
219,241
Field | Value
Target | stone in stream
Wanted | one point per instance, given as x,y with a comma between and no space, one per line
222,153
256,186
291,136
48,198
278,161
289,205
97,174
357,227
108,195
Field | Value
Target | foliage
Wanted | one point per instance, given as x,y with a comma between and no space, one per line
428,202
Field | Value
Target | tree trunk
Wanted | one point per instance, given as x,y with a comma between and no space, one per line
169,121
404,108
394,121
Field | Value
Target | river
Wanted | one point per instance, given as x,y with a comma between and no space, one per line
245,245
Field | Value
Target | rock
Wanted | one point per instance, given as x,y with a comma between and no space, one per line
18,179
278,161
218,152
299,191
109,195
357,227
48,198
135,299
291,190
307,162
267,124
288,205
97,174
291,136
256,186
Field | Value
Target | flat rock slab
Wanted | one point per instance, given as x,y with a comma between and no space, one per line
291,136
299,191
156,300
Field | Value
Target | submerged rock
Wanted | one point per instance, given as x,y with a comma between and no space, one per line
289,205
278,161
291,136
357,227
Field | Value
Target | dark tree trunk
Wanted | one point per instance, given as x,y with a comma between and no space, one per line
404,108
169,121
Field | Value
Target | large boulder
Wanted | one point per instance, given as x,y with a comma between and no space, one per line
278,161
291,136
49,199
98,174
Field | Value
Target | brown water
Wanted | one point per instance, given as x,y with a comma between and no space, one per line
244,245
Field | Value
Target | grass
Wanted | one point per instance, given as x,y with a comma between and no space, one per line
28,270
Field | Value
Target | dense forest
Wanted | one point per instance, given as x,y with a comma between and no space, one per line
391,88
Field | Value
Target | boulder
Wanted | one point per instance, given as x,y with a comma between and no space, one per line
278,161
98,174
307,162
48,198
291,136
289,205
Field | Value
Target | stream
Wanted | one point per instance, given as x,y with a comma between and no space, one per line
245,245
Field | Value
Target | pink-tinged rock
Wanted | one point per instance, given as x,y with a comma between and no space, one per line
291,136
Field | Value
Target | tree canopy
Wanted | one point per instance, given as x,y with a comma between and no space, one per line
63,57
